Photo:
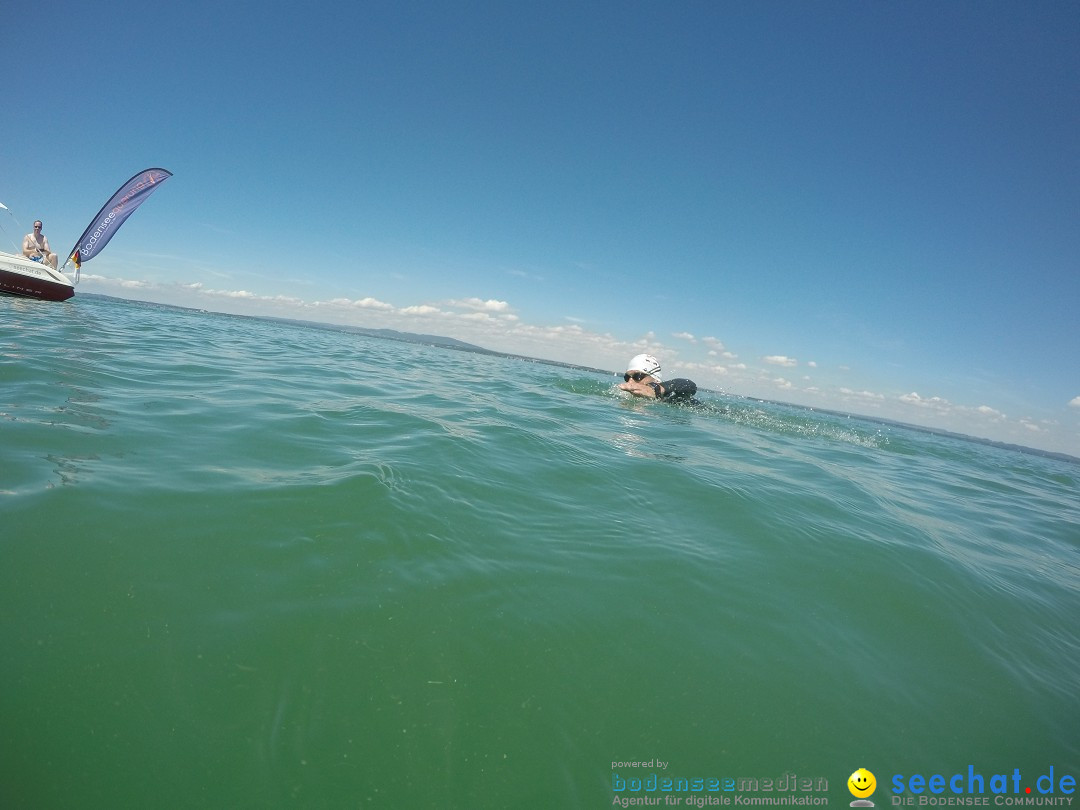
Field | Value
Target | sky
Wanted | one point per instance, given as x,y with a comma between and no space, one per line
870,207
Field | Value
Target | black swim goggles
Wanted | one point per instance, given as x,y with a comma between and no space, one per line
638,376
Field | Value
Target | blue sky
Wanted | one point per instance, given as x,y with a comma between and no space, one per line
872,207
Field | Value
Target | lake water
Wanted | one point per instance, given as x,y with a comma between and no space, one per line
252,564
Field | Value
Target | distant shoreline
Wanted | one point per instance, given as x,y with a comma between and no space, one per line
459,345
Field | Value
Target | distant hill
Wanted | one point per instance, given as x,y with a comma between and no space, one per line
428,340
386,334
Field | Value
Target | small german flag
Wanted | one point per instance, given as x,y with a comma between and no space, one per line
75,259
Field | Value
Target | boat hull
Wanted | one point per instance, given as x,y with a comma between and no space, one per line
20,276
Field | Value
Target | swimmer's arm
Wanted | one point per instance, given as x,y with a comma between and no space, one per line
643,389
671,389
679,389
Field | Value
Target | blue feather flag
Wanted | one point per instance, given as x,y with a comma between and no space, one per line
113,214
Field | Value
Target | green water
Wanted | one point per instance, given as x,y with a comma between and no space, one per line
245,564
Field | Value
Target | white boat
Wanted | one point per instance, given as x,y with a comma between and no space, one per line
21,276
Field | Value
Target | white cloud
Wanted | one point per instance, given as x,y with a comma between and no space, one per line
863,394
936,403
199,288
716,348
684,336
993,413
691,368
420,309
371,303
1074,402
233,294
780,360
491,305
812,364
362,303
116,282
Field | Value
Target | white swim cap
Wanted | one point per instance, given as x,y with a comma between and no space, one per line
645,362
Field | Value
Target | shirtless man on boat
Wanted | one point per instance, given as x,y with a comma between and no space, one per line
35,246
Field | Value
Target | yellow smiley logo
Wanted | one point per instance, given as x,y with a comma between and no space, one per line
861,783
